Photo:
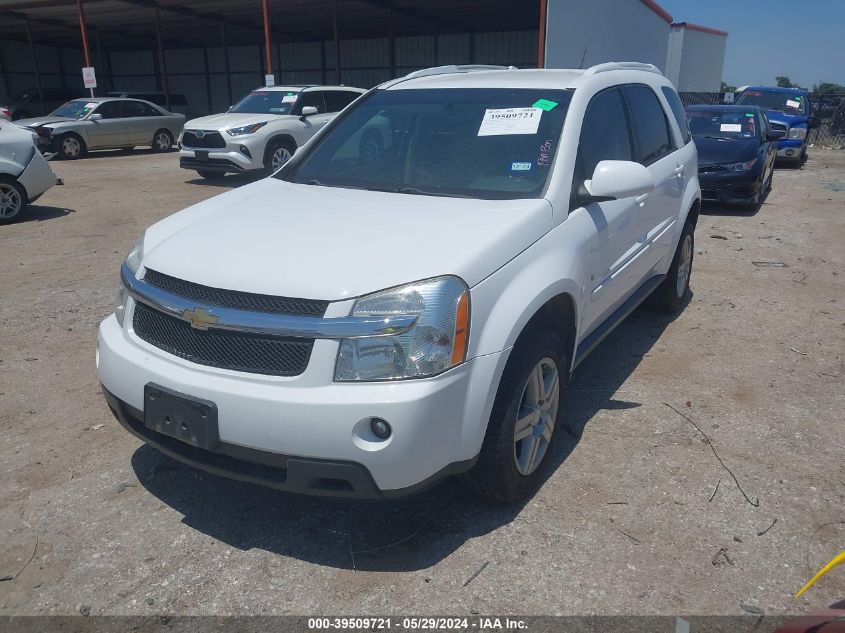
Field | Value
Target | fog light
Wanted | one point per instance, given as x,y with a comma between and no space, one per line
245,151
790,152
380,428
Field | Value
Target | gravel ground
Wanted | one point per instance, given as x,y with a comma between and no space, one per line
637,516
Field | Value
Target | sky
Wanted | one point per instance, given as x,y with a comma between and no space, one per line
802,39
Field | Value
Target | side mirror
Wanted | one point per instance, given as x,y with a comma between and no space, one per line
775,135
308,111
95,117
814,122
614,179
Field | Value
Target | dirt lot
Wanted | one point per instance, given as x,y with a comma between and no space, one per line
638,515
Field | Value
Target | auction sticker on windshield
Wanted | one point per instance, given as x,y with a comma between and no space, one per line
510,121
730,127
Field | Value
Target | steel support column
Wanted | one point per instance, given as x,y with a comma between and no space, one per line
541,39
226,63
80,10
162,64
336,43
268,60
35,68
391,41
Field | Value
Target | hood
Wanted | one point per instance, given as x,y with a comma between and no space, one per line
44,120
715,151
783,117
228,120
278,238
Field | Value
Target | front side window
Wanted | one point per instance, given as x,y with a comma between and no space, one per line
652,137
604,134
266,102
720,124
774,100
678,112
313,99
490,143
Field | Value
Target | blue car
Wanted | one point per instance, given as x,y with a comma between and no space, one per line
789,111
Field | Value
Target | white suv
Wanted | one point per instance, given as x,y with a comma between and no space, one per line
262,131
372,320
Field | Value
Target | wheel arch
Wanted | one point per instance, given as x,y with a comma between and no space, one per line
280,136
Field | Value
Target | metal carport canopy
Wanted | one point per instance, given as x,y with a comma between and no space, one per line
130,24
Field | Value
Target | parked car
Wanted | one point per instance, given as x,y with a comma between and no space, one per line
105,123
178,102
5,114
362,326
789,111
262,131
24,173
736,153
28,103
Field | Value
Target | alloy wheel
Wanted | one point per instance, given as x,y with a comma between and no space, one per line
163,142
536,416
71,147
684,266
280,157
10,201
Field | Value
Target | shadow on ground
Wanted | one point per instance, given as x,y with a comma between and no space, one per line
404,535
37,213
228,181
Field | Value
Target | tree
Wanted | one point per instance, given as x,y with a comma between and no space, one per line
826,88
727,88
784,82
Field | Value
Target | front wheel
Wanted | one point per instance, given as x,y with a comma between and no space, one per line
522,425
277,154
13,200
71,146
670,294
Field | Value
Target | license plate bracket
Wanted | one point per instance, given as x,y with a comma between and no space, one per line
201,155
185,418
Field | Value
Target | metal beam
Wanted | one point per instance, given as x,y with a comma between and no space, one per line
541,40
411,12
162,63
35,67
265,12
336,42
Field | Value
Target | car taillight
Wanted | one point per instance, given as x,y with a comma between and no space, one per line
7,112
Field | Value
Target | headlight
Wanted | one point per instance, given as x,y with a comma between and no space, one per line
246,129
133,262
747,165
797,133
435,343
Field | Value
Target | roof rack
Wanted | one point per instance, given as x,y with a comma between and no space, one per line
603,68
463,68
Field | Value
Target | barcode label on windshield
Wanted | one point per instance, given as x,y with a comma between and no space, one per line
510,121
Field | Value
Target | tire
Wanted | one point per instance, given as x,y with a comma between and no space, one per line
211,175
162,141
505,472
670,294
277,154
13,200
71,146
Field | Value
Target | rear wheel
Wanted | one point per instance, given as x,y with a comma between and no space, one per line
13,200
670,294
210,175
522,425
162,141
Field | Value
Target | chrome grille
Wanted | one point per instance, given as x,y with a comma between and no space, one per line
234,299
203,139
779,127
252,353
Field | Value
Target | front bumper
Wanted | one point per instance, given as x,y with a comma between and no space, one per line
240,155
791,149
304,434
729,187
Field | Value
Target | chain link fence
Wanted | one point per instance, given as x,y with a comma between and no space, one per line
829,108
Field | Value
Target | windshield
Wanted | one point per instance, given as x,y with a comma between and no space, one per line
74,109
716,124
771,100
482,143
266,102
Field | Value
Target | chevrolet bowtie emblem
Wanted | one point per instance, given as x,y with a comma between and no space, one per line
200,318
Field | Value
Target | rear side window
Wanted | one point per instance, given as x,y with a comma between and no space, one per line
313,98
678,112
337,100
652,138
604,133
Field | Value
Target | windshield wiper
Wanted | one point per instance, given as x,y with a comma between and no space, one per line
419,192
314,181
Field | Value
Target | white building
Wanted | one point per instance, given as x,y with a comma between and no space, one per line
580,34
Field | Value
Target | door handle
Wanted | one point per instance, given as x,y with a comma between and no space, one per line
640,200
679,171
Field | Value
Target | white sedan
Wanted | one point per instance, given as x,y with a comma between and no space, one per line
24,173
